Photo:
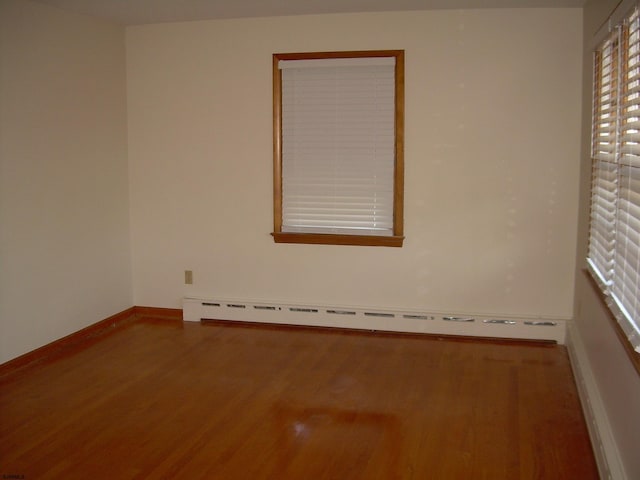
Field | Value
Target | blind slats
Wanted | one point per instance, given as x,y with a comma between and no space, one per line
614,245
338,146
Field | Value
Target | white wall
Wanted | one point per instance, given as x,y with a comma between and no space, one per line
616,384
64,225
492,162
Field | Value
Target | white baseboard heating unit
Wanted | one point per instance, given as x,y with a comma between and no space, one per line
530,328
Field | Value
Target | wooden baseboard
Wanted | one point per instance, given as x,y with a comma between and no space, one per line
56,348
155,312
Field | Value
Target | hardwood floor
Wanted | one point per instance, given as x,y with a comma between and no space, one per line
163,399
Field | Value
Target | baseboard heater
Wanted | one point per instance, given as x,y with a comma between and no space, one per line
530,328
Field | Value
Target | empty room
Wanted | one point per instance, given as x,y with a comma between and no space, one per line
358,239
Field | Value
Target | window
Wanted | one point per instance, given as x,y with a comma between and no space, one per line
338,147
614,246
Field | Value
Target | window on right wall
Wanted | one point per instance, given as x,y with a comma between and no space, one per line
614,239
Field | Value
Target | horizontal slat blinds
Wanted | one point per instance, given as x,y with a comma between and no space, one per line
626,282
604,147
614,250
338,145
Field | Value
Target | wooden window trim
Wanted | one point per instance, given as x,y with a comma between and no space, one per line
332,239
396,240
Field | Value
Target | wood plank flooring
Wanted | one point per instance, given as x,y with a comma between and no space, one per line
162,399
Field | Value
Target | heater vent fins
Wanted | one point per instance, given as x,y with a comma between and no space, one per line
459,319
341,312
379,314
501,322
417,317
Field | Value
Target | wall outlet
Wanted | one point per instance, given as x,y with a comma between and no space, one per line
188,277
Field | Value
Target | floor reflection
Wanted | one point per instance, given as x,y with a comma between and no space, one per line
328,442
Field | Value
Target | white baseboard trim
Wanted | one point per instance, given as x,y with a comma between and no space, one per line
610,464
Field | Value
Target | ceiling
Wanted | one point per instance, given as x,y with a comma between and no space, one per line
135,12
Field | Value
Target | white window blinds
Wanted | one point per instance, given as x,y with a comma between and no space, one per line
603,189
614,248
338,145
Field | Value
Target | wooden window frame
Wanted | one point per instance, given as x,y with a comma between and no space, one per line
397,238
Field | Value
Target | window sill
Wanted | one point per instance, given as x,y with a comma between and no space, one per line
633,355
332,239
